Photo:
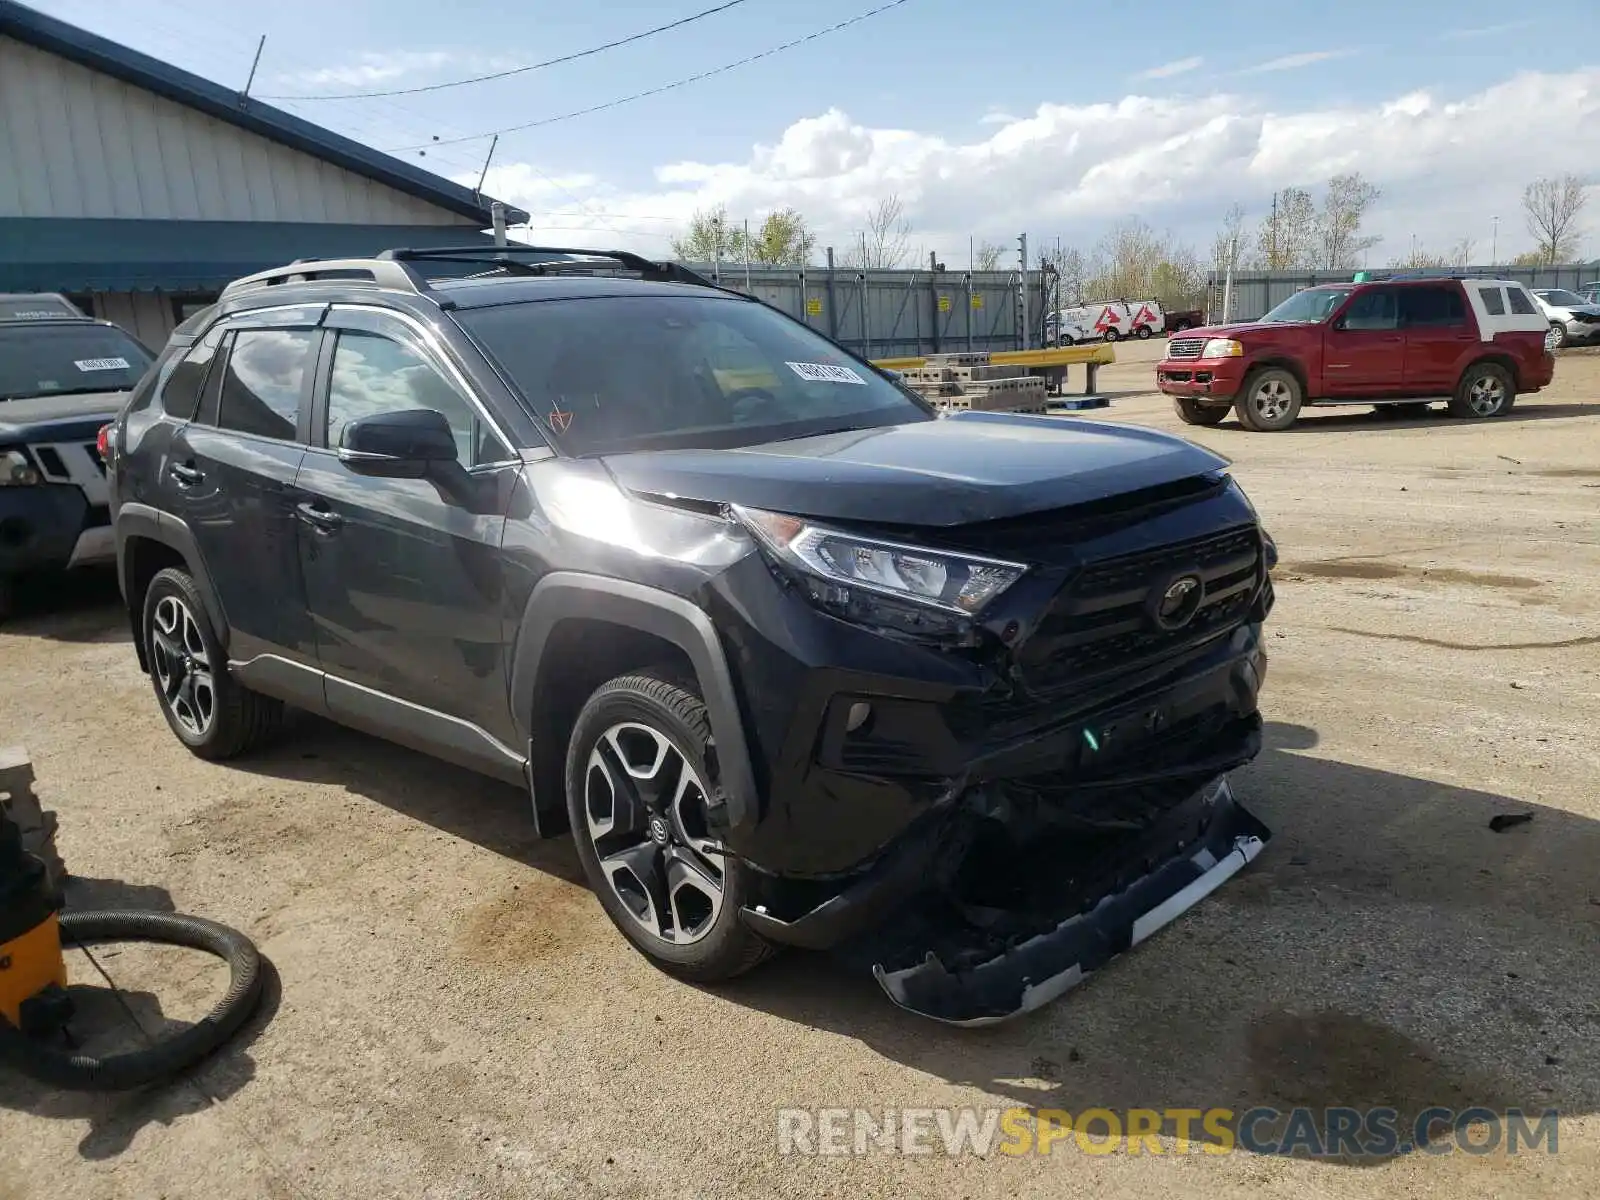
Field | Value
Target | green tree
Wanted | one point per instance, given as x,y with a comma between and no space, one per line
1344,204
709,230
1288,237
783,240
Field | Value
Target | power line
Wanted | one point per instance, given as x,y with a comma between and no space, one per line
656,91
538,66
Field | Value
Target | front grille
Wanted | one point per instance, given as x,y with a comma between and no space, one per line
1185,347
1101,622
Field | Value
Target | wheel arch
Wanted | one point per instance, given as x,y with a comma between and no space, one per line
1502,360
1278,362
578,631
148,541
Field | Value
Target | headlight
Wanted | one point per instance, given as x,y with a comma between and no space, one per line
16,470
1221,348
846,573
1269,547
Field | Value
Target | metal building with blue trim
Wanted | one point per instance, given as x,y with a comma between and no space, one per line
140,189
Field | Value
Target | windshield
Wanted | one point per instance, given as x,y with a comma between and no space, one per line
62,360
618,373
1560,298
1311,305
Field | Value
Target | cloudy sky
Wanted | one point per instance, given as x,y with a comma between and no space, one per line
1056,118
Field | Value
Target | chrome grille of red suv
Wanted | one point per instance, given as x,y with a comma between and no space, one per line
1185,347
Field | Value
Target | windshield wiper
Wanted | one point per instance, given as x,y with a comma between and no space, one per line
83,391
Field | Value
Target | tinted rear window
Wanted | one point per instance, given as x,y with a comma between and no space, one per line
1425,306
65,360
620,373
1521,302
1493,301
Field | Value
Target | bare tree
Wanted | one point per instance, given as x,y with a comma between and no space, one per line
1228,246
1134,262
1344,205
885,244
1288,237
987,256
1552,208
1461,253
1420,258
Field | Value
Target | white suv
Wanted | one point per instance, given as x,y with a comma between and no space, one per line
1573,320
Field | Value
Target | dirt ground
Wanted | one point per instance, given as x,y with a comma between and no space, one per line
451,1016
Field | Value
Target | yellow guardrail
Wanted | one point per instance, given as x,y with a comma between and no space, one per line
1098,353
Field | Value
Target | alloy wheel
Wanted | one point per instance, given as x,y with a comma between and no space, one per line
1485,395
182,665
1272,400
646,812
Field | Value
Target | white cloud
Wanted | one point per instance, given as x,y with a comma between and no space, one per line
1180,66
1293,62
1447,165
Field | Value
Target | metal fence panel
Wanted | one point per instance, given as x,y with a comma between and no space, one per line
1257,292
892,314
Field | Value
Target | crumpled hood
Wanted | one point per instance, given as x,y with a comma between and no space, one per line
963,469
58,415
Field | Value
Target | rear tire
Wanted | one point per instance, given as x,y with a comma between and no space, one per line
1191,412
1270,400
1485,391
638,783
1144,332
1558,335
212,714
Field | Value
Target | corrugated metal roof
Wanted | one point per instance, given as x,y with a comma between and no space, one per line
62,254
100,54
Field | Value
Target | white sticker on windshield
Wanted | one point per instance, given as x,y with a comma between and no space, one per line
101,364
825,373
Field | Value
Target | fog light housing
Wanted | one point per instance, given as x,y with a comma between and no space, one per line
860,713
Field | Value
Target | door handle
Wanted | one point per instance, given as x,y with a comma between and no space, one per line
317,517
185,475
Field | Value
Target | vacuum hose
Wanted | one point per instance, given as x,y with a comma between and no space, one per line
122,1072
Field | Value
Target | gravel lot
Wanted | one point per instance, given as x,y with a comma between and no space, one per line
452,1016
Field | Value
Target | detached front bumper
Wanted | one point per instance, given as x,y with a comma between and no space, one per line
1216,379
1207,842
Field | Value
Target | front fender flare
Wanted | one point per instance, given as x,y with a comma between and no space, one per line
572,595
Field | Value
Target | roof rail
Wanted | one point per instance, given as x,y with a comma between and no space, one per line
1439,273
665,272
381,272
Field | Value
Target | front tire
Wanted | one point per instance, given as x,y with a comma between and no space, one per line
212,714
1558,336
1270,400
1111,335
1191,412
638,789
1486,390
1144,332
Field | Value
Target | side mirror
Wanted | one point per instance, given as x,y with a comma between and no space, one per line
1338,322
406,443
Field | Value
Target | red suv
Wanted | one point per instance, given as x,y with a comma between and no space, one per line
1400,343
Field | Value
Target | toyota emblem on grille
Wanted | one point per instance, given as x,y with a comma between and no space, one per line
1176,603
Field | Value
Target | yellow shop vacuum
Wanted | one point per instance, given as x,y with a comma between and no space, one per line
36,1008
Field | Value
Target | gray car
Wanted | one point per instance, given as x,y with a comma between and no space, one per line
1574,320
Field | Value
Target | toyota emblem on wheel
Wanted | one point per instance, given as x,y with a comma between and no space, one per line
1177,603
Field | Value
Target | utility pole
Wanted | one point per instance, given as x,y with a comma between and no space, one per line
1272,252
1227,280
747,254
1027,326
716,226
1494,243
498,211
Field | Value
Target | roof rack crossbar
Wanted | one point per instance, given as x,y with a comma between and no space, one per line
668,272
383,273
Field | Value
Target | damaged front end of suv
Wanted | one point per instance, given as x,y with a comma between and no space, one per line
993,753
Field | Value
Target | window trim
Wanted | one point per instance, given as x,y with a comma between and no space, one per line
170,368
213,395
425,341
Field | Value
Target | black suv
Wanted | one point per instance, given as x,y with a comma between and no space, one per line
795,659
63,376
